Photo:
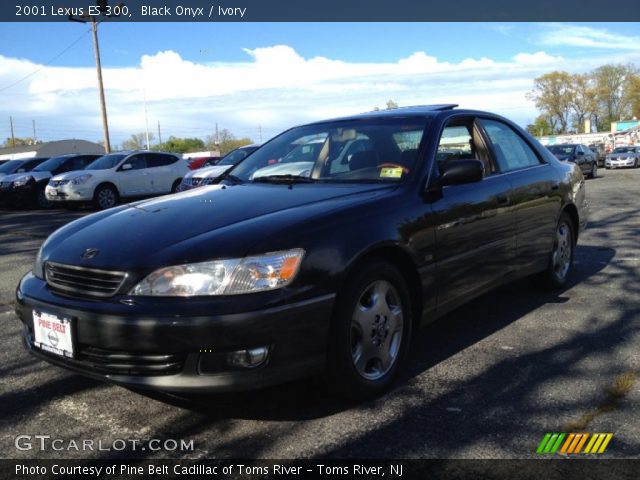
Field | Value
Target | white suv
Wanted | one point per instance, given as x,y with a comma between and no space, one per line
119,175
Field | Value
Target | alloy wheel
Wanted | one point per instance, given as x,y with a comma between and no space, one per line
562,251
106,198
376,330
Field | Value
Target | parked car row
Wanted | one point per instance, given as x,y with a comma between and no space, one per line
579,154
589,159
102,180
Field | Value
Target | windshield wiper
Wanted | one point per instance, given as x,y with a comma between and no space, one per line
289,179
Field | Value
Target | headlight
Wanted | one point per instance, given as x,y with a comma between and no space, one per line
22,181
223,277
81,179
38,267
208,180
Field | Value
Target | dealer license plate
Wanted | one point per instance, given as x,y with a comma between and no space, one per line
53,333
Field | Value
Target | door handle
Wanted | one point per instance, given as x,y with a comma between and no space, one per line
502,198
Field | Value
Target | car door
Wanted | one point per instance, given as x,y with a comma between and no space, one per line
161,176
132,176
534,192
474,226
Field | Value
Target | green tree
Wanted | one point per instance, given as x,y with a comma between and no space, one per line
226,142
583,99
182,145
19,142
613,89
552,96
137,141
541,127
390,105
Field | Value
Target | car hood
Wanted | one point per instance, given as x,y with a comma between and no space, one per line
209,172
198,225
37,176
293,168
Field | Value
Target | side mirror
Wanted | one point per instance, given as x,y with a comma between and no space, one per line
458,172
579,154
126,166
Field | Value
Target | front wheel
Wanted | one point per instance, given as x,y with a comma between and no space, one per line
41,200
557,273
105,197
594,170
370,331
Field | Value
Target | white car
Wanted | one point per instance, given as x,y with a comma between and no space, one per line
119,175
209,175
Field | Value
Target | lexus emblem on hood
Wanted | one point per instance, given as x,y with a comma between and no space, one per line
89,253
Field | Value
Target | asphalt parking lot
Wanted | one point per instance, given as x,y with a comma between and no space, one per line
487,381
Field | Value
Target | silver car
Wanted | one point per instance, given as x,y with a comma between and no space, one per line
623,157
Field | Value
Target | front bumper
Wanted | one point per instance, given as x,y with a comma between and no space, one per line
69,193
629,162
17,195
122,344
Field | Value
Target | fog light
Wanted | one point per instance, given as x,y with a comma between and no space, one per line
250,358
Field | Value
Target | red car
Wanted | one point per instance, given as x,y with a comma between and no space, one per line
198,162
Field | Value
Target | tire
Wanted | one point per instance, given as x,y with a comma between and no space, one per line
105,197
175,188
370,332
41,200
594,171
635,164
560,265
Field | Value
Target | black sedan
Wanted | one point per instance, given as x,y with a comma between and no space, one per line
258,281
579,154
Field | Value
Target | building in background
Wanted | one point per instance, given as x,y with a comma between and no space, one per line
50,149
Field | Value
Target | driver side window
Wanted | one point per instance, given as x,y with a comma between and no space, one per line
456,143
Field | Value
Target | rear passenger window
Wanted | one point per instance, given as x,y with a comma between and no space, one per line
510,149
159,160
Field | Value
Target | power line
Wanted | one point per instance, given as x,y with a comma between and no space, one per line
65,50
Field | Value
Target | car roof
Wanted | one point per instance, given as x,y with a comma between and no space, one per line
411,111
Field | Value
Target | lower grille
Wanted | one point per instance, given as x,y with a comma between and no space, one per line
82,281
128,363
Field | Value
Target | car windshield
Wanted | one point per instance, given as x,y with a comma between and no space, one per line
233,158
624,150
10,166
50,165
106,162
562,149
378,149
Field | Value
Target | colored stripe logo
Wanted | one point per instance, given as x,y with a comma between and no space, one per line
574,443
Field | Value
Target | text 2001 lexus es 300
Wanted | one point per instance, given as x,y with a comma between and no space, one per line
371,226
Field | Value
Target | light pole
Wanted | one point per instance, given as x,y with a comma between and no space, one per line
103,8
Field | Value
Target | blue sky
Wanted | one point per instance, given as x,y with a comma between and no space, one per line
261,78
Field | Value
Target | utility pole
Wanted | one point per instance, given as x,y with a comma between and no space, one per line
159,134
13,139
260,132
103,8
35,139
217,137
146,119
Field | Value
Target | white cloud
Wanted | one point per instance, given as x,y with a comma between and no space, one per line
274,88
591,37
